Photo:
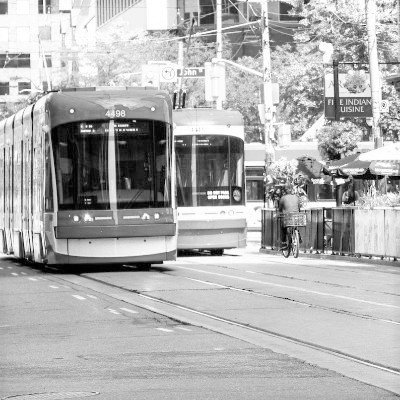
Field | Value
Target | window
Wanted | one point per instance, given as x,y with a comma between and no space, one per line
24,87
209,170
4,88
284,10
45,32
3,6
44,6
207,10
48,61
10,60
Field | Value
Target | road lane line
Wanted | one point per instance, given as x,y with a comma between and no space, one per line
33,279
183,329
164,330
24,273
113,311
54,287
290,287
1,267
14,274
129,310
78,297
91,296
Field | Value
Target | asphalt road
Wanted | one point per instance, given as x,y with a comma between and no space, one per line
240,326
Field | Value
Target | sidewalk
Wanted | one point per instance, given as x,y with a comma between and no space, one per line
255,237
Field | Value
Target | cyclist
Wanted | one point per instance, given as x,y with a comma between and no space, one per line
289,202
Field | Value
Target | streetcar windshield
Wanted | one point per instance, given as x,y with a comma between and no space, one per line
209,170
113,164
142,174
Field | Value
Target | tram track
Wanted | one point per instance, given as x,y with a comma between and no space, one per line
335,310
188,315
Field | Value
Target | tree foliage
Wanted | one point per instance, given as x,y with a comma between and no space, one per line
299,73
299,68
338,139
243,94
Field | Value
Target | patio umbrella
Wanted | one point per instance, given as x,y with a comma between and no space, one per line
386,153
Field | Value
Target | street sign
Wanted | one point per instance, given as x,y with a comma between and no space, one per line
191,72
385,106
168,74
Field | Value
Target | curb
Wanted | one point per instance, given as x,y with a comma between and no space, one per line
337,257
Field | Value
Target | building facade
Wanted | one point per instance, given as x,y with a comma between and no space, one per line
39,39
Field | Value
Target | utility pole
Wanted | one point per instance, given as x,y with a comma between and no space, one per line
219,44
43,56
376,95
267,83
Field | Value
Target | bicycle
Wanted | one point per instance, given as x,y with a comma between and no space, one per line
292,221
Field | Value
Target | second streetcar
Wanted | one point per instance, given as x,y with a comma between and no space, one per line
210,181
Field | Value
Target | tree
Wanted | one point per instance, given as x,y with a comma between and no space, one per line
338,139
243,94
299,68
299,72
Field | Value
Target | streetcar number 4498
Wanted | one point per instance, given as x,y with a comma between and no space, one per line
115,113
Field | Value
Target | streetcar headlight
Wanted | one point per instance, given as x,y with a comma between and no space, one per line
71,110
76,218
152,108
87,218
156,216
145,217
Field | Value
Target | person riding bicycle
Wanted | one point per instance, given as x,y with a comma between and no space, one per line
289,202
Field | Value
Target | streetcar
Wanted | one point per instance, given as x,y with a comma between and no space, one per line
210,182
86,176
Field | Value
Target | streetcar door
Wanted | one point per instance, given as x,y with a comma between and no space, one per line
27,196
8,198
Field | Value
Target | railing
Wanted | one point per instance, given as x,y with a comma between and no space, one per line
341,230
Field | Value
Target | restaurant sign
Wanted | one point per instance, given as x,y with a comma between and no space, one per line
354,95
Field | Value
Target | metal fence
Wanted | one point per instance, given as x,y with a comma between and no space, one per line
340,230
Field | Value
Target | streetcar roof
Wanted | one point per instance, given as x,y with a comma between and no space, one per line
206,116
70,105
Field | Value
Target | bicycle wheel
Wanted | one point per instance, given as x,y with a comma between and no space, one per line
286,250
295,243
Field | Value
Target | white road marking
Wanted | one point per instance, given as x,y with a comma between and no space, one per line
129,310
14,274
1,267
251,272
24,273
114,311
33,279
291,287
78,297
9,267
54,287
206,283
91,296
43,279
183,329
164,330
